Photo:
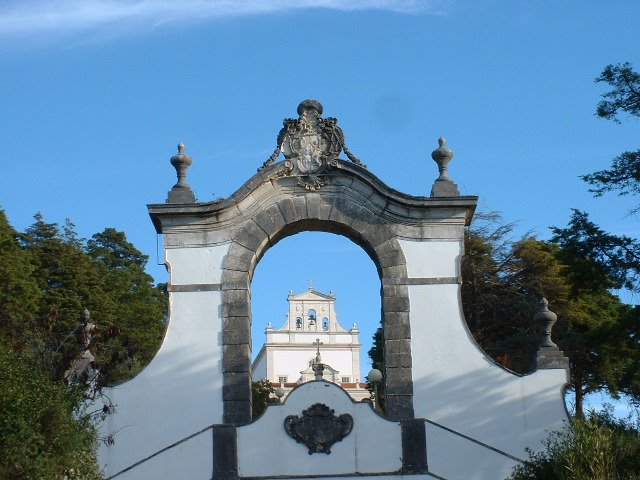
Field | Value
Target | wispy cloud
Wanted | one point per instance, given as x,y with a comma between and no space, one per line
33,17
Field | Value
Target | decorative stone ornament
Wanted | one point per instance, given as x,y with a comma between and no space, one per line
443,186
318,428
547,318
82,367
317,366
548,355
181,191
310,145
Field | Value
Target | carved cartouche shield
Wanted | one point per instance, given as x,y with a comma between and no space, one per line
318,428
307,142
310,145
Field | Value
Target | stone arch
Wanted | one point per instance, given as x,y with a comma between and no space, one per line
331,213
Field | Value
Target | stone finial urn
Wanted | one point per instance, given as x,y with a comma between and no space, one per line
442,156
181,191
443,186
548,355
547,318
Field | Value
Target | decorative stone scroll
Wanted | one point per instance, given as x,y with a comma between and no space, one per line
311,145
318,428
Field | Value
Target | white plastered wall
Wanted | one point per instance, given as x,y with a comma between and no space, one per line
455,384
374,445
180,392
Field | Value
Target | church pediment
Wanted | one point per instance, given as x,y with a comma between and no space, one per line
310,295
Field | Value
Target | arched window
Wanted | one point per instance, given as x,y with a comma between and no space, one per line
312,314
298,323
325,323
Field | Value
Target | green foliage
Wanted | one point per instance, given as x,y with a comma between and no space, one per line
624,173
261,391
131,318
40,438
48,276
19,292
376,354
598,259
105,275
597,448
503,281
625,96
627,336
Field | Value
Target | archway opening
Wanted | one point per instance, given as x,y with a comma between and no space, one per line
314,286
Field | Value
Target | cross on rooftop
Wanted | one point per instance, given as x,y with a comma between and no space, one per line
317,344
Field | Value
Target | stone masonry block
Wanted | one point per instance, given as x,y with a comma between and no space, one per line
235,296
236,330
288,210
389,254
396,326
239,309
362,188
398,381
242,285
397,331
342,183
236,358
344,210
237,412
398,407
318,207
236,386
396,347
300,205
364,218
398,272
250,227
241,264
395,291
379,234
398,359
395,304
231,277
225,452
270,220
238,250
414,446
250,241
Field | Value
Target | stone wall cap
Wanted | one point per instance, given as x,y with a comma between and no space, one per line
342,168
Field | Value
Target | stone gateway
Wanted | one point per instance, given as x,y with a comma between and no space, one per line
451,412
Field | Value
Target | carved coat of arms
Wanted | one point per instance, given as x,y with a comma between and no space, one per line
318,428
310,145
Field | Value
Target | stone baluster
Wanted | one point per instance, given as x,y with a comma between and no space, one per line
443,186
548,355
181,191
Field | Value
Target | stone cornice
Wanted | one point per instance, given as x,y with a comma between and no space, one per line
345,176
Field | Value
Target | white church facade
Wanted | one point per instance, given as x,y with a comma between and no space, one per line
311,328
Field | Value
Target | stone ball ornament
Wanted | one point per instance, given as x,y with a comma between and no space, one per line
374,375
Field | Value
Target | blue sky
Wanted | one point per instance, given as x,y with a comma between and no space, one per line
95,95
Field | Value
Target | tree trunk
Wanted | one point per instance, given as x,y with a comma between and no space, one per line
579,398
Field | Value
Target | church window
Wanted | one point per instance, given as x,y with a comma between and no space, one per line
282,379
298,323
325,324
345,379
312,314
